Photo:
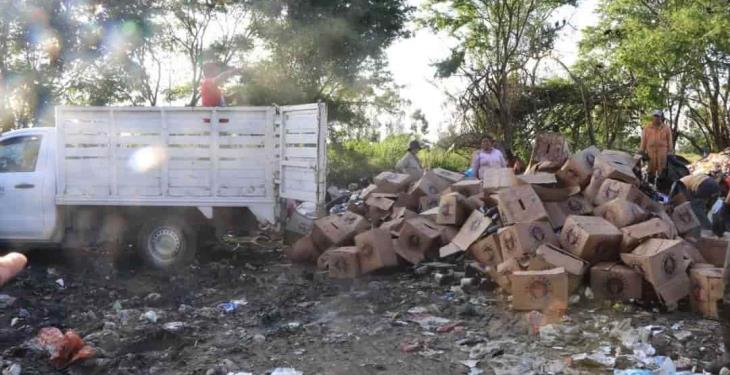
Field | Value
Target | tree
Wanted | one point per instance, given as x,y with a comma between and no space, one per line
678,55
419,123
501,45
330,51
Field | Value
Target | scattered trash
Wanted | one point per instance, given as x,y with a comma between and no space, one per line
233,305
151,316
60,283
429,322
173,326
285,371
410,346
6,301
64,349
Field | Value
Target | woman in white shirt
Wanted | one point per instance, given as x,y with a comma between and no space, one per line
487,157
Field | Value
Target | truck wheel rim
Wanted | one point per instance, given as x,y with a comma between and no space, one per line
165,244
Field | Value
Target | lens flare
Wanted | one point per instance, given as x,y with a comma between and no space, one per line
146,159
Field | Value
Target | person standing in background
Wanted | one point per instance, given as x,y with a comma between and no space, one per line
410,164
656,143
487,157
211,94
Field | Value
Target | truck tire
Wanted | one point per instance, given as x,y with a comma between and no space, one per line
166,243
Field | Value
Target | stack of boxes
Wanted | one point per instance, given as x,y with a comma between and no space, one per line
569,221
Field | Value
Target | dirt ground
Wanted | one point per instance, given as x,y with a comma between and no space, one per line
292,316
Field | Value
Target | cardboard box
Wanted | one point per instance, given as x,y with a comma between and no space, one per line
612,189
674,290
419,238
573,205
448,175
616,165
550,147
468,188
375,250
390,182
379,207
552,194
429,185
664,216
556,215
448,233
408,201
591,191
659,260
591,238
430,214
550,256
338,230
685,219
487,250
539,178
613,281
448,250
496,179
343,263
621,212
540,290
428,202
472,229
634,235
707,288
712,248
475,202
453,209
365,193
402,213
302,251
520,240
692,254
578,169
521,204
393,226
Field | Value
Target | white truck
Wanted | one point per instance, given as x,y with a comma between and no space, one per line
157,178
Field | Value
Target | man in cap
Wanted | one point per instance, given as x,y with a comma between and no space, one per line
656,143
211,93
409,163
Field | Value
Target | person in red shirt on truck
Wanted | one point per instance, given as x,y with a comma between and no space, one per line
210,92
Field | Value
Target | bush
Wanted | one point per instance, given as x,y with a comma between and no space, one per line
353,160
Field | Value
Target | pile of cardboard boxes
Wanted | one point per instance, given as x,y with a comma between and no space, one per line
572,221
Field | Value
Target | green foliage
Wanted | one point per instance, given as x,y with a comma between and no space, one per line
354,159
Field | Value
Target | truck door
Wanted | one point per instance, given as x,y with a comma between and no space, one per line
303,156
21,188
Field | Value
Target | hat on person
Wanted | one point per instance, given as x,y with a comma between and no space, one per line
414,144
658,113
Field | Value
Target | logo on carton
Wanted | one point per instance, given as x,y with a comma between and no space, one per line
414,240
475,224
446,209
615,285
590,158
537,233
572,237
697,291
509,241
575,205
611,191
538,288
669,264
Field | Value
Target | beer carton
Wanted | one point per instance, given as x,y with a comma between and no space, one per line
375,250
520,240
338,230
613,281
453,209
591,238
389,182
487,250
521,204
545,290
707,288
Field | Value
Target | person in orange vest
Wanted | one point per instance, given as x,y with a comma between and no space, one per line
656,143
211,94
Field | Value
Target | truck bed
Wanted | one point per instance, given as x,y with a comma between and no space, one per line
230,156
